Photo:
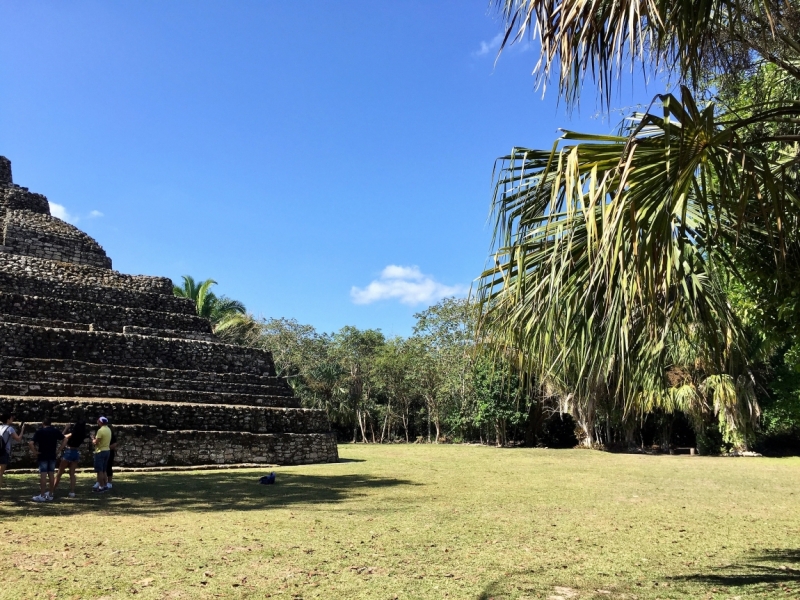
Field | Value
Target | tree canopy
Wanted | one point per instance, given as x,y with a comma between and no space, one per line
617,257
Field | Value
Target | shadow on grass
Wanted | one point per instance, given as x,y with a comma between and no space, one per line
496,590
768,570
204,491
768,574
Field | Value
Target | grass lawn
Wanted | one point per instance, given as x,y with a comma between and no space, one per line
418,522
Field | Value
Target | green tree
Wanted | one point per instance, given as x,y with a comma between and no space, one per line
394,374
296,348
325,387
613,252
499,399
445,334
355,351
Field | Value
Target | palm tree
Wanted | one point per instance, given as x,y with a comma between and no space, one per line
612,251
224,313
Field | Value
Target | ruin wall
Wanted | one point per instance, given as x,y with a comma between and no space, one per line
103,317
21,340
205,417
143,446
83,275
34,234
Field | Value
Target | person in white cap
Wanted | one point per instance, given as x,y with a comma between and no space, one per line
102,450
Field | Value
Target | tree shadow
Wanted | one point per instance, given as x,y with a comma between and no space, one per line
767,570
200,491
511,584
768,574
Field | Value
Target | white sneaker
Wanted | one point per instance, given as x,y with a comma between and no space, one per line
109,486
95,486
40,498
48,496
72,494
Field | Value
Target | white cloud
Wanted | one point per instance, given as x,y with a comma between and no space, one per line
409,285
60,211
514,45
487,47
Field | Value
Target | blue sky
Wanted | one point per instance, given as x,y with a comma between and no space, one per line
326,161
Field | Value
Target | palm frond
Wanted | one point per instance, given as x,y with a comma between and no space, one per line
609,247
580,37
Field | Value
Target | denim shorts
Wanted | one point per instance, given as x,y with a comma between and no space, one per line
71,455
101,461
47,465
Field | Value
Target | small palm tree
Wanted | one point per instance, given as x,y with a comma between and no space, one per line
223,312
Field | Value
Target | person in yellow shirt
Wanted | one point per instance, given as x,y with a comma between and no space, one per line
102,450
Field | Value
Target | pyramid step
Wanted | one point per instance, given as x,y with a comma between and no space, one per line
274,387
77,390
60,272
30,341
170,333
104,317
29,285
169,415
59,366
36,234
44,322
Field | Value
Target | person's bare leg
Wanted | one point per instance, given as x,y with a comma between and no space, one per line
72,477
50,480
102,479
42,483
2,470
61,468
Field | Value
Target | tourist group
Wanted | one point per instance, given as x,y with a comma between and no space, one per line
49,442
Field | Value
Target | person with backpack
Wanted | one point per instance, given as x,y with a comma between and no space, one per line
46,440
7,434
74,436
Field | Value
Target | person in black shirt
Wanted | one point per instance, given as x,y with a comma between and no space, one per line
74,436
46,440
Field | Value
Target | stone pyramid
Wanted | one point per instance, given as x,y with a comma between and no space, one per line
77,337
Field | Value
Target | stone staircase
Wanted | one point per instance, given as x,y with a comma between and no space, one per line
78,338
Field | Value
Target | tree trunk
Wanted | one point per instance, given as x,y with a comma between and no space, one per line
386,420
585,418
429,422
361,425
